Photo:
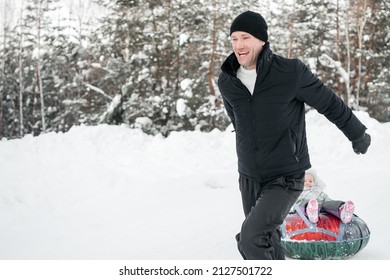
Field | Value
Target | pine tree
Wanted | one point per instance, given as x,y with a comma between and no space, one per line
39,34
376,81
10,114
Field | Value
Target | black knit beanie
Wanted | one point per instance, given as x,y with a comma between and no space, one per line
252,23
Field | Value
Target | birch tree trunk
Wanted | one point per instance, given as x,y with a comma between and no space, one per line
361,22
21,87
347,83
38,64
338,53
41,96
210,74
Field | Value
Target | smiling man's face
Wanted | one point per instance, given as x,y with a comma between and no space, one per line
247,48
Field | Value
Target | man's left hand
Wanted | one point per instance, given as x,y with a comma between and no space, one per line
360,146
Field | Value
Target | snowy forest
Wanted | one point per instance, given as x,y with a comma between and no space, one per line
154,64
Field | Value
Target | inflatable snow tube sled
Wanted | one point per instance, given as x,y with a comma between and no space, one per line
329,239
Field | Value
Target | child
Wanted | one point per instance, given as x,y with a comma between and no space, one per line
313,200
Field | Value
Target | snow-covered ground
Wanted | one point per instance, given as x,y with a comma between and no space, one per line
109,192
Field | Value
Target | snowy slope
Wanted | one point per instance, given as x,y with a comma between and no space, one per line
108,192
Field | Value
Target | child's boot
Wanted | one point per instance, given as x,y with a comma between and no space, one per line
346,212
312,210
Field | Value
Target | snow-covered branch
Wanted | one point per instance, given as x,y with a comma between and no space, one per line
327,61
115,103
98,90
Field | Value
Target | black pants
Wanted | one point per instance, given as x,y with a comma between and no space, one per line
266,206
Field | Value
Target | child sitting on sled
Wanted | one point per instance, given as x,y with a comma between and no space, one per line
313,200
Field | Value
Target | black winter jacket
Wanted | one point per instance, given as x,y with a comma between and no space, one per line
270,124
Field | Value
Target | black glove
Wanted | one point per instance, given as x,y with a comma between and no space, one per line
361,145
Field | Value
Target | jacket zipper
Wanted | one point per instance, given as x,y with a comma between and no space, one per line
253,125
254,133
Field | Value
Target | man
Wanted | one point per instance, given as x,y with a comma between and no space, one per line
264,96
